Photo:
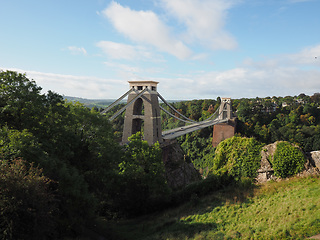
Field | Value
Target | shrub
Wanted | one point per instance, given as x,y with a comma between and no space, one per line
288,160
27,204
238,156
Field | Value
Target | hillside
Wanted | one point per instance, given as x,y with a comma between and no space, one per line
100,103
90,103
277,210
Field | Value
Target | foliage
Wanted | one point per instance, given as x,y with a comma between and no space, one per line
288,160
198,149
142,176
74,146
27,204
293,119
238,156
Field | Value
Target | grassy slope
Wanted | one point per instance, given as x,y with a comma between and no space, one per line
278,210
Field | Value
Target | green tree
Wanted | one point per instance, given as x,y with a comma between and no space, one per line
27,204
74,146
142,175
20,101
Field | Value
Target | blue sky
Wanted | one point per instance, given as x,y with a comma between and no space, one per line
195,49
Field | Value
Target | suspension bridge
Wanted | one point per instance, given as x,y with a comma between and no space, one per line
143,108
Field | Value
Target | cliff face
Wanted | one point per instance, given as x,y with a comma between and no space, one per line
178,172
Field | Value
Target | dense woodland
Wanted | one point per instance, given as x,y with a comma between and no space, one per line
62,166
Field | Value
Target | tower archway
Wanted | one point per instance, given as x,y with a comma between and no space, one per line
143,115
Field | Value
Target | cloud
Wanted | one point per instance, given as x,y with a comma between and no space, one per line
76,86
204,21
279,75
145,27
309,56
77,50
124,51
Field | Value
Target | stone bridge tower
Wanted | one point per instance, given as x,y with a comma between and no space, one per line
143,112
226,130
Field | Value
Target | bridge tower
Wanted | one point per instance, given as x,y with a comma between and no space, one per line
225,110
143,113
222,131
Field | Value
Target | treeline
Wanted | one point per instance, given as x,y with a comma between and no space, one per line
294,119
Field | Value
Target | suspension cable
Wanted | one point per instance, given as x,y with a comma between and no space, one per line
128,104
116,102
175,110
166,111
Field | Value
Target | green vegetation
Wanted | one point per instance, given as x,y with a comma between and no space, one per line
276,210
239,157
142,182
27,204
61,165
293,119
288,160
76,148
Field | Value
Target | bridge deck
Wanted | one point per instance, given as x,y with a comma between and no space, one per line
177,132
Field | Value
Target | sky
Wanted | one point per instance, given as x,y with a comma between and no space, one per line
195,49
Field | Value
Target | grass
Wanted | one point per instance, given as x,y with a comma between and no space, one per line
289,209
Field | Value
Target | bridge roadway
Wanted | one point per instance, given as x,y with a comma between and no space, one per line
177,132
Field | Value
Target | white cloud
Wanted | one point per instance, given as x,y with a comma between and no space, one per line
204,21
124,51
77,50
280,75
76,86
309,55
145,27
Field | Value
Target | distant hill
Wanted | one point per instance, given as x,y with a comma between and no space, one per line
100,103
90,103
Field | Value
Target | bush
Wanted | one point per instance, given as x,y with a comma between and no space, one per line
288,160
239,157
27,206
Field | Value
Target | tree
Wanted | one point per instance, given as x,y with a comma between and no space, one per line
142,176
20,101
74,146
27,204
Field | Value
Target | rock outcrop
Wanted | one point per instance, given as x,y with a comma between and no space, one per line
179,173
315,159
266,172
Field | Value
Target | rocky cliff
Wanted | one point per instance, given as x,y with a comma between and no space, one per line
179,173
